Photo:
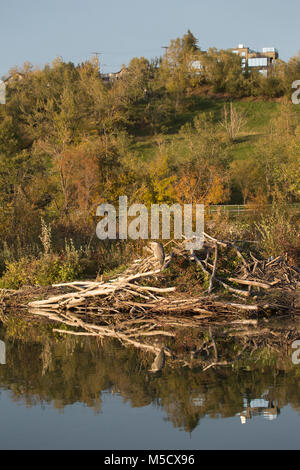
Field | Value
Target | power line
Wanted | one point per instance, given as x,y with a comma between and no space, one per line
97,54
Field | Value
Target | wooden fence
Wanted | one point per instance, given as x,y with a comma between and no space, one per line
239,209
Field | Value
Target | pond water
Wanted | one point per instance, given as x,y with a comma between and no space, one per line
78,393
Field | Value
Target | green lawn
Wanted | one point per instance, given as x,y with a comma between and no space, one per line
258,115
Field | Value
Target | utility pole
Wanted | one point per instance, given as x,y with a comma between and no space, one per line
166,52
166,49
97,54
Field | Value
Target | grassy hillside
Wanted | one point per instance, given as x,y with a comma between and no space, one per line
257,113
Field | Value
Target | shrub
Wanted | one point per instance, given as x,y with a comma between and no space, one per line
18,273
279,232
49,268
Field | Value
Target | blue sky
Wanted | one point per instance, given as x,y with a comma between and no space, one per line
40,30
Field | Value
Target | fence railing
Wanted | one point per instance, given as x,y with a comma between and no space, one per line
237,209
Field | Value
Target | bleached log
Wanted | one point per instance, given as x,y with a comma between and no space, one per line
214,270
248,282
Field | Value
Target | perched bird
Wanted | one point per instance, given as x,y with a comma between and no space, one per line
158,252
159,361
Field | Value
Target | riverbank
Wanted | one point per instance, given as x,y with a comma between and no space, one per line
149,306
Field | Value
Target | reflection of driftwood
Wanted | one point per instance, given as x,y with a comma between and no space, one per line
216,364
204,351
159,361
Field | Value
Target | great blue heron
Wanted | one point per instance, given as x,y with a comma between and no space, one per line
159,361
159,252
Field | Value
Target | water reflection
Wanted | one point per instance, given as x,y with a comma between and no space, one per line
259,407
44,368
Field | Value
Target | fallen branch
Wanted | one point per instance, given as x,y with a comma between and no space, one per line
214,270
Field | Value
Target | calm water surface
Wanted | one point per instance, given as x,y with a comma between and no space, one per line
73,393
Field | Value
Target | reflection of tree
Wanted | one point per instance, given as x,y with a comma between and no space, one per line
43,368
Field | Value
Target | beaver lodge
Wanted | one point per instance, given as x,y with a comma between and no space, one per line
153,308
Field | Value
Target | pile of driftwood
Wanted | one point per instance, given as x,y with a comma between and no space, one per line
139,308
129,293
